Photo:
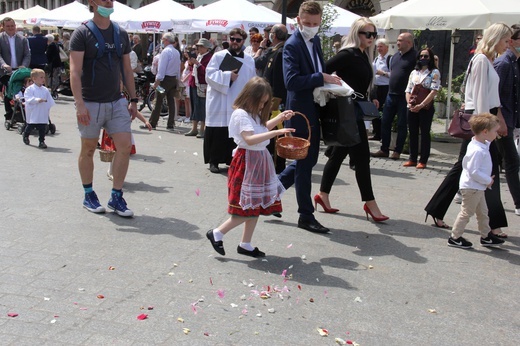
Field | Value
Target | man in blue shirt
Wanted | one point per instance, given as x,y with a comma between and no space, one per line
508,70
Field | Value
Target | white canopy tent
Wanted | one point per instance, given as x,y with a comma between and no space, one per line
161,15
449,15
224,15
71,16
30,13
13,14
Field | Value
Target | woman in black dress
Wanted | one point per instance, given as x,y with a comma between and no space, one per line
353,64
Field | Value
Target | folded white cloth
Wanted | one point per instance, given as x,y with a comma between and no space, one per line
323,94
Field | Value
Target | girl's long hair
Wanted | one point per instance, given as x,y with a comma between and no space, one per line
491,37
250,98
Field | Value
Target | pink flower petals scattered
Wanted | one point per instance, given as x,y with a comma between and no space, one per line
197,192
142,317
221,294
289,246
12,314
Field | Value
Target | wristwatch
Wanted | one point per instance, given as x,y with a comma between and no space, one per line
134,100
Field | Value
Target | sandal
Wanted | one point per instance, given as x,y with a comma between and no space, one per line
437,222
500,235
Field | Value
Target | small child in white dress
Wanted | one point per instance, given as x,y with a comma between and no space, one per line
38,102
253,187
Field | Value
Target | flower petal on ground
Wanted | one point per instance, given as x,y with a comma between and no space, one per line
142,317
323,332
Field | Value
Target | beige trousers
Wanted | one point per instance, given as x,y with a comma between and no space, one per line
473,202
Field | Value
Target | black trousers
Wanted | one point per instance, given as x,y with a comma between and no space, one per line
41,131
359,157
420,122
507,149
381,92
7,101
442,198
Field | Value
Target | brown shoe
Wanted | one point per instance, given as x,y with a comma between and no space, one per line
379,153
409,164
395,155
421,165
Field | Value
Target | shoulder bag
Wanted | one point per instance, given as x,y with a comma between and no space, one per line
338,122
459,125
419,94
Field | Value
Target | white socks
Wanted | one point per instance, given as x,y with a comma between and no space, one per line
217,234
247,246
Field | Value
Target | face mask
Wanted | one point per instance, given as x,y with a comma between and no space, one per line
104,11
162,45
424,62
309,32
271,37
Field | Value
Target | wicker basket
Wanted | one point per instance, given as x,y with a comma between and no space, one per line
294,148
106,155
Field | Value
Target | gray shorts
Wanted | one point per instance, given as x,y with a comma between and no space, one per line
112,116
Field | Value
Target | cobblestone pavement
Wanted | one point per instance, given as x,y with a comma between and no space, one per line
76,278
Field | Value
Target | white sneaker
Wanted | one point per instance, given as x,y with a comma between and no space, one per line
517,212
458,198
187,120
110,176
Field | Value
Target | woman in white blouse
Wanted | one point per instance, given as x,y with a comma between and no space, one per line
420,113
481,96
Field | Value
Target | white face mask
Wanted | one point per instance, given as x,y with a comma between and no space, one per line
309,32
271,37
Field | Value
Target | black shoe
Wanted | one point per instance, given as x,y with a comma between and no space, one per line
26,140
217,245
374,138
491,240
277,215
169,127
42,145
254,253
312,226
460,243
214,168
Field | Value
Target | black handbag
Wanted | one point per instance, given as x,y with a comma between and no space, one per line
368,110
459,125
338,122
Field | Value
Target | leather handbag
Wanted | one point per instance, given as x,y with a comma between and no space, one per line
459,125
368,110
338,122
419,94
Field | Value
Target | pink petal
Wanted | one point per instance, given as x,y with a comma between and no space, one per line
197,192
150,307
284,272
12,314
211,281
289,246
194,307
142,317
221,293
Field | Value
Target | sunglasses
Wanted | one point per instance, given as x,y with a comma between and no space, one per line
424,56
369,34
236,39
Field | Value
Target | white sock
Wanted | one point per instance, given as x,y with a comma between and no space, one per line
247,246
217,234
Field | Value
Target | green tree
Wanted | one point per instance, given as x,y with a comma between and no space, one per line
327,18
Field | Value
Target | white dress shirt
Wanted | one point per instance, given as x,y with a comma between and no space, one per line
37,112
476,166
380,64
12,45
169,63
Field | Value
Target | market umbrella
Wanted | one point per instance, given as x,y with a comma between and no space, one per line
161,15
449,15
224,15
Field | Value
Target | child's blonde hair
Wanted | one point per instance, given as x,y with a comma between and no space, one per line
37,72
481,122
250,98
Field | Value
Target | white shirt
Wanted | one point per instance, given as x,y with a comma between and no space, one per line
476,166
169,63
309,44
133,61
37,112
12,46
380,64
220,95
482,85
242,121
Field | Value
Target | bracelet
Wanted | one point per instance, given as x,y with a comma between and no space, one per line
134,100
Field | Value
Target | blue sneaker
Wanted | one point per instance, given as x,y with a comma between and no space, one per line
118,205
91,203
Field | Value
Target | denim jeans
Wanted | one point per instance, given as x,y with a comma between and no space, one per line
394,105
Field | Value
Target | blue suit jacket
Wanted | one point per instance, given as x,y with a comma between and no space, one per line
38,46
300,80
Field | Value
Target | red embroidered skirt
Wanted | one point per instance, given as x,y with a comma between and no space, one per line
235,178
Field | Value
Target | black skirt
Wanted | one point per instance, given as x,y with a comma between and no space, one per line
218,147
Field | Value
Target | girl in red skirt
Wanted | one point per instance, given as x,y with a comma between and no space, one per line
253,187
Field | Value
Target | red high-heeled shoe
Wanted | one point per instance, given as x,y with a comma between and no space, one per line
318,200
375,218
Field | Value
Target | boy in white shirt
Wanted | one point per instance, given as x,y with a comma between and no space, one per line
38,102
475,179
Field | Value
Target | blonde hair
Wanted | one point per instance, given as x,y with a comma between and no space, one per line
352,39
37,72
491,38
250,98
481,122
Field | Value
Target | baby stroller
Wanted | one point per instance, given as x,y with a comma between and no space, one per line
14,86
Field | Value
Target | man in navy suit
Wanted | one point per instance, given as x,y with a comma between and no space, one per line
303,68
38,46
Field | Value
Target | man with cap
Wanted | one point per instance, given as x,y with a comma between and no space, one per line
223,88
198,86
168,73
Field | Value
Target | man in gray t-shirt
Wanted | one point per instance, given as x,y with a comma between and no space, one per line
96,86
